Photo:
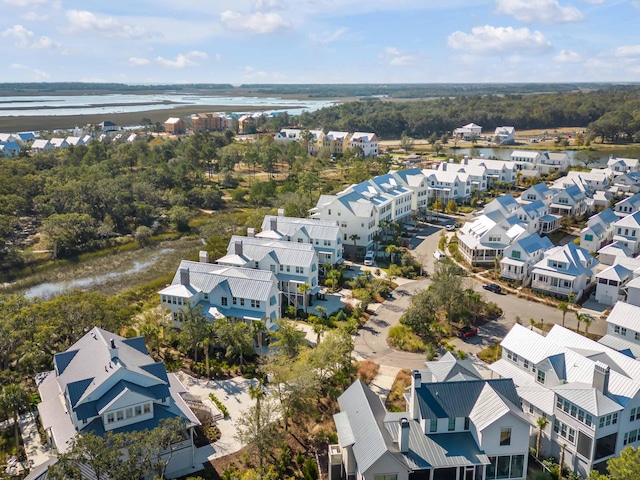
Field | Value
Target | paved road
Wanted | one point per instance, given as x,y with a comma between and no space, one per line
371,340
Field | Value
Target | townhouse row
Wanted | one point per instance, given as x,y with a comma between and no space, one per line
334,141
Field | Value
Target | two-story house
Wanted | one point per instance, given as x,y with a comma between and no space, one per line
623,329
599,230
336,142
468,132
589,394
219,291
521,255
477,175
445,185
627,206
539,191
551,162
526,159
316,141
498,171
484,240
463,428
536,217
627,183
293,263
288,135
324,235
620,166
414,180
105,383
610,284
570,201
627,232
504,135
41,145
9,149
366,141
564,270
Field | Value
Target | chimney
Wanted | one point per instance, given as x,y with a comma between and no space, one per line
601,377
416,382
184,276
465,160
237,246
113,350
251,232
281,212
273,224
403,435
204,256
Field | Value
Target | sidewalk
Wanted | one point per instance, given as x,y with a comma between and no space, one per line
37,453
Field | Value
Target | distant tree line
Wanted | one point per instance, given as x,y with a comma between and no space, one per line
613,114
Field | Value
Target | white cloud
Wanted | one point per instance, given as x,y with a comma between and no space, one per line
258,23
396,58
24,3
539,11
83,21
269,5
253,75
40,75
34,17
568,56
138,61
627,51
324,38
27,39
636,4
18,66
488,40
189,59
594,2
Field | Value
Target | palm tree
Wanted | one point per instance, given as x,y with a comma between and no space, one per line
561,465
532,322
318,329
304,289
355,237
391,250
13,399
258,328
564,308
542,424
579,319
587,320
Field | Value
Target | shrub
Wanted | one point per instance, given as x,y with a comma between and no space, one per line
403,338
366,370
491,354
220,405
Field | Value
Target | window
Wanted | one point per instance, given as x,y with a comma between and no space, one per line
526,364
299,269
588,238
452,424
234,300
633,415
146,408
515,254
512,356
119,415
386,476
433,425
138,410
466,423
223,301
272,268
111,418
540,378
255,303
242,302
505,436
129,412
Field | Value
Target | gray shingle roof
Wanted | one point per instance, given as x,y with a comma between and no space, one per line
320,229
285,253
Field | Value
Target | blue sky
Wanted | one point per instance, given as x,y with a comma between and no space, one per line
320,41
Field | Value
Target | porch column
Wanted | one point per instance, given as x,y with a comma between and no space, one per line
193,449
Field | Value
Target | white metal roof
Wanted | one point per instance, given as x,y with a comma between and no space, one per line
625,315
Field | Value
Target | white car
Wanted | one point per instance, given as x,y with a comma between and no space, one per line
369,259
450,228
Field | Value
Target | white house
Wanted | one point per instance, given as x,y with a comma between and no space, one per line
463,428
600,199
505,136
323,235
8,138
589,393
627,232
539,191
414,180
551,162
220,291
469,131
288,135
627,183
59,142
446,185
367,141
620,166
564,270
623,329
485,239
106,383
536,217
611,254
610,284
526,159
293,263
627,206
476,176
521,255
75,141
24,137
599,230
497,170
587,182
569,201
40,145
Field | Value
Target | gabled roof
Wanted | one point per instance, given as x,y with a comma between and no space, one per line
616,248
284,253
570,254
615,272
589,398
625,315
631,221
363,136
289,226
336,136
449,368
411,177
605,217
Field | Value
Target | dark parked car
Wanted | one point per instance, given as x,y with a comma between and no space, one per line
466,332
492,287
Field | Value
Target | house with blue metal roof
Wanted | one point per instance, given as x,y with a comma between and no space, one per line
107,383
520,257
456,426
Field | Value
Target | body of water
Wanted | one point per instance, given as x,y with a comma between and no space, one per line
598,159
53,289
54,105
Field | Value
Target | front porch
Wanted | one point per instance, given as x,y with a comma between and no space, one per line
513,269
549,224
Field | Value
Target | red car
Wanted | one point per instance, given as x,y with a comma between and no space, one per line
466,332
